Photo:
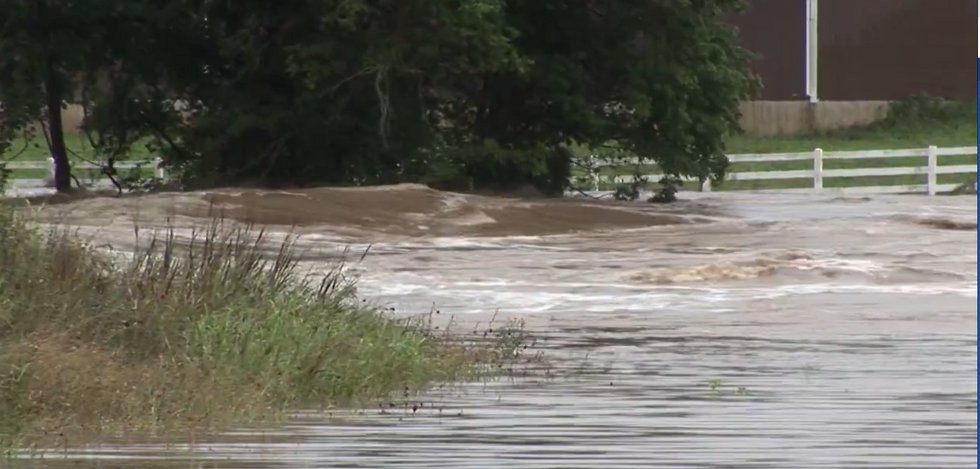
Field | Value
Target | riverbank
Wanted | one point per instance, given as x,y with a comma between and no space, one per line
200,334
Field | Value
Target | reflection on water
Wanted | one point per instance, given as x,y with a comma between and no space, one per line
741,331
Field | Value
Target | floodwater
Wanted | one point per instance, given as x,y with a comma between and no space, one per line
727,331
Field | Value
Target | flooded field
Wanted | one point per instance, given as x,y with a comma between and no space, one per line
727,331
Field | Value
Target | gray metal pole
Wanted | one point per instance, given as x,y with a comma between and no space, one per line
812,50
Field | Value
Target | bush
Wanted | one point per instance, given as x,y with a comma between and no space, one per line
489,166
204,332
922,109
4,178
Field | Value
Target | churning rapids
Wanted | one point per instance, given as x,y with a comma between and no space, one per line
729,330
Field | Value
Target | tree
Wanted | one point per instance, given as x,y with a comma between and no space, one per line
59,52
306,91
474,93
485,92
41,47
662,79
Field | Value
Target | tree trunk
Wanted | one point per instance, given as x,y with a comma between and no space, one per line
62,167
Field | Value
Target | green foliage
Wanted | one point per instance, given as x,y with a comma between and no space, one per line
668,190
483,93
4,178
43,46
925,110
660,78
634,190
489,166
627,193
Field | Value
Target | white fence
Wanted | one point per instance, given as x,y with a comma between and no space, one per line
48,167
930,170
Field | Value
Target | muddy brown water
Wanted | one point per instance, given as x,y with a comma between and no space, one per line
727,331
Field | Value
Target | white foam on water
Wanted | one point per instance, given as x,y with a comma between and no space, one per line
923,289
476,297
495,243
854,265
971,289
323,238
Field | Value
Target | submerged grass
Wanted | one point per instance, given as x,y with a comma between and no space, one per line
199,333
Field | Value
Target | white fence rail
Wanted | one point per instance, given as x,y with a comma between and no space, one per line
929,170
48,167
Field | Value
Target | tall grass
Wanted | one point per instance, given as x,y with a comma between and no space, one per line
201,333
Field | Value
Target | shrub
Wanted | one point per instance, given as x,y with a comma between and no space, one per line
923,109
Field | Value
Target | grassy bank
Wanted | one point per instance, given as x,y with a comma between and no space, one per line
915,123
211,334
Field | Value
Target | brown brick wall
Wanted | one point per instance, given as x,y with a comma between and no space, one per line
775,32
870,50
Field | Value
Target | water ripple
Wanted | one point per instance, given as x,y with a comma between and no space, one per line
869,363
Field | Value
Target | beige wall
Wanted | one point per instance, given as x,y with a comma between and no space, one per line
784,118
71,118
759,118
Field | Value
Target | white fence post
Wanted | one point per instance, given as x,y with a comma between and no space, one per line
818,169
932,160
52,168
593,173
161,170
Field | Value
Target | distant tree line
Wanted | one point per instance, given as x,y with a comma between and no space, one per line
453,93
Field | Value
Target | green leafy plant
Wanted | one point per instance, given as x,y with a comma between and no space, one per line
4,177
668,190
924,109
